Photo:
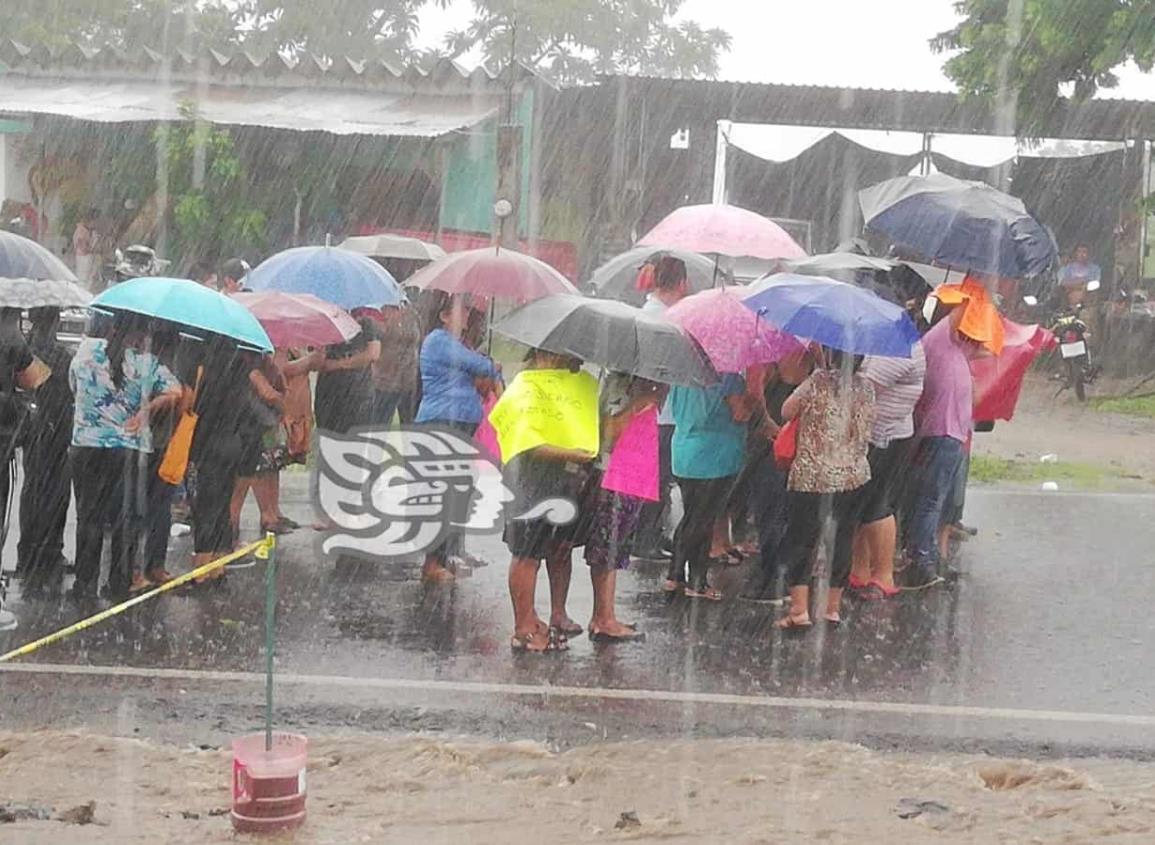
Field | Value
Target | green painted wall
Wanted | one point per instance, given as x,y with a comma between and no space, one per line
470,183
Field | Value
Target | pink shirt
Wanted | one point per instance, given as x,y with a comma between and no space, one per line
946,408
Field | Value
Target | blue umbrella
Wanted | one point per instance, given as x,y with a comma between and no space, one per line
335,275
835,314
959,224
188,304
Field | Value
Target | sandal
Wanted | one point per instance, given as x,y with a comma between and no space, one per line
790,623
708,593
571,630
159,576
139,585
672,586
520,644
635,636
887,592
832,620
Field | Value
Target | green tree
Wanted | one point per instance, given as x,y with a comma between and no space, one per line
1022,52
575,40
211,214
124,24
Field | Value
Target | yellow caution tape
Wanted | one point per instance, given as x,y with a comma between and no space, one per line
260,549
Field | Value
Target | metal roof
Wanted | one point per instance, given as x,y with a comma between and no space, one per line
707,101
343,97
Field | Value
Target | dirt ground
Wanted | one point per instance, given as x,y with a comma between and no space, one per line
1076,432
370,789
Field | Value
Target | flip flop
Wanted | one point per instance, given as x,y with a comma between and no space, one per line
519,644
602,637
707,593
789,623
672,586
887,592
574,630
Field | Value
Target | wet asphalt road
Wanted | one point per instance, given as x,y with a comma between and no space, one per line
1044,647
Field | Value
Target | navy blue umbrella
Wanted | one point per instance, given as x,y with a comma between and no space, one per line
835,314
959,224
333,274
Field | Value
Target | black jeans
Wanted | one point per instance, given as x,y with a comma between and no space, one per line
703,501
159,516
44,500
110,486
808,512
651,524
769,505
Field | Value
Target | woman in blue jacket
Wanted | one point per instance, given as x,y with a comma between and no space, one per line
451,377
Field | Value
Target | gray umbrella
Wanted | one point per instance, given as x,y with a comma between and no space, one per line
21,258
611,334
30,293
832,263
617,277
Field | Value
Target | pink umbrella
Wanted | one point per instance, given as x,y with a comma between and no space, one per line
998,380
299,319
732,336
492,273
723,230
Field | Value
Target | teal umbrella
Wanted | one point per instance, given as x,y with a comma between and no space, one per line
186,303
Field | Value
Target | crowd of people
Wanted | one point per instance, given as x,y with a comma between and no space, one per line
877,452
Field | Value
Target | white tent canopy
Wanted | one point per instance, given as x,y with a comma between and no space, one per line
783,143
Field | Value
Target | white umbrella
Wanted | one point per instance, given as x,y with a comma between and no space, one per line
34,293
393,246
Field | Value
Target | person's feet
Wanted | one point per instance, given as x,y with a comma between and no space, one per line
158,576
921,578
613,629
794,622
139,584
567,626
434,573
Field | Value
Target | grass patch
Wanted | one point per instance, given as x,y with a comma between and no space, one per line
1135,406
990,470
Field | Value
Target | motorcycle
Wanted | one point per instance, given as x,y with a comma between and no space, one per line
1072,333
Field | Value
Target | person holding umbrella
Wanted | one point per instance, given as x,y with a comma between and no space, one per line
834,408
118,386
548,455
47,490
665,281
450,371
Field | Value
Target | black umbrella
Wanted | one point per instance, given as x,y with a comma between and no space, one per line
611,334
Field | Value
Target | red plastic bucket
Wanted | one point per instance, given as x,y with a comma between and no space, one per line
269,787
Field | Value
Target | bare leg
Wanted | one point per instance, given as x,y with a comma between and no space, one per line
267,492
944,541
522,587
559,568
799,613
240,491
833,604
434,571
605,620
720,539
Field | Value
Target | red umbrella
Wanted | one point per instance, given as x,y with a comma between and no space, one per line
492,273
998,380
723,230
299,319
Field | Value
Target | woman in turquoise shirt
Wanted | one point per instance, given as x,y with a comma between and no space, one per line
708,451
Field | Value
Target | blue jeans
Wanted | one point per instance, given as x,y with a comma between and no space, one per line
936,466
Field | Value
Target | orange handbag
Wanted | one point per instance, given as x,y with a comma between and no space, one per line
174,465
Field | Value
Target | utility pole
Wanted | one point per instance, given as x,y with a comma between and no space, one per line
507,208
